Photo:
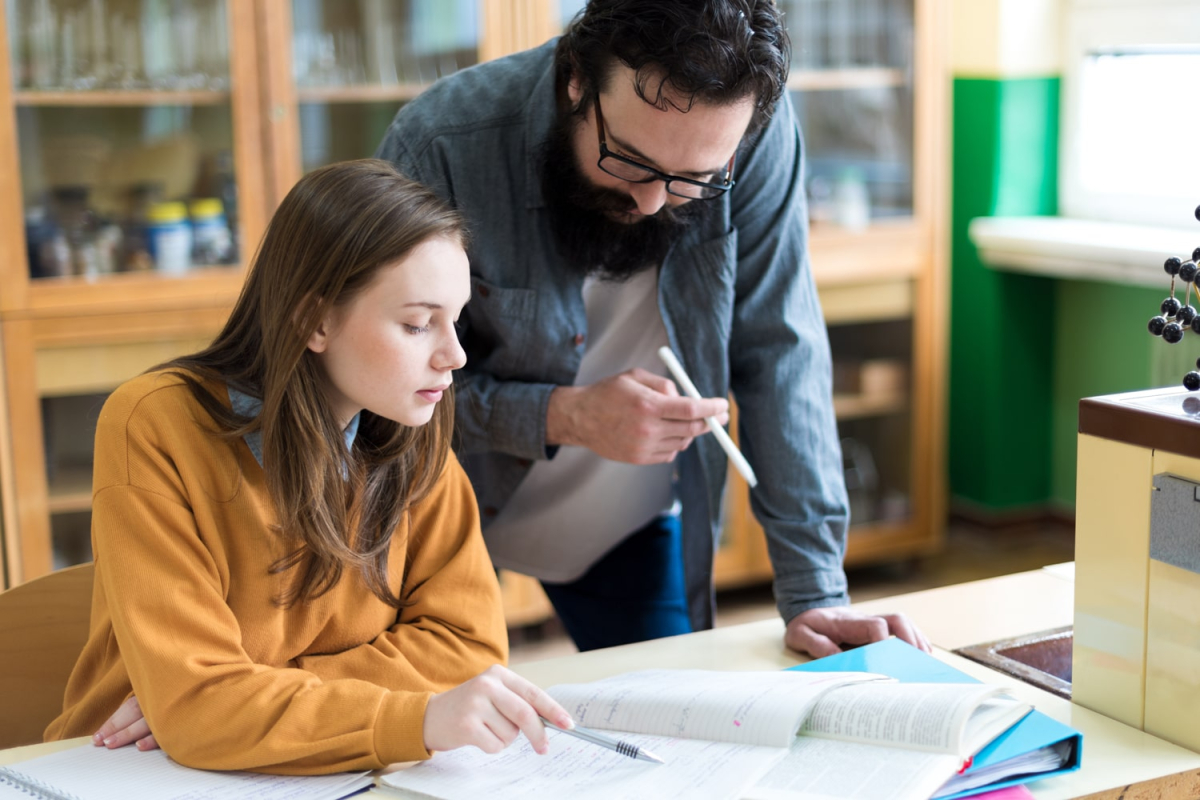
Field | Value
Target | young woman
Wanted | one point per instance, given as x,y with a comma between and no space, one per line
290,575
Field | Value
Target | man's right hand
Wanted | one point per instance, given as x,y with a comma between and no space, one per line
635,417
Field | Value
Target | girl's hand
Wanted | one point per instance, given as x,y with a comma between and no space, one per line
127,724
489,711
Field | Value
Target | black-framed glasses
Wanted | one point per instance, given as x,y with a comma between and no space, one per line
634,172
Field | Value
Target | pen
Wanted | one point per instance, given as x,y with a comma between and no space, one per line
739,461
624,748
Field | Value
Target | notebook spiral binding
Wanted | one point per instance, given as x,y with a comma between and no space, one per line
31,786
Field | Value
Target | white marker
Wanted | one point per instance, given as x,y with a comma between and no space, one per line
689,388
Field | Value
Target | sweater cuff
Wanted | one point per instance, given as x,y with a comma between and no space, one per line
400,727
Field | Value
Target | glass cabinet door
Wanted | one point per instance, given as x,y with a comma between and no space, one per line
851,82
852,85
124,121
355,63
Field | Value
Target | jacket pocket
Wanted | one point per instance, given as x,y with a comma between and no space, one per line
497,325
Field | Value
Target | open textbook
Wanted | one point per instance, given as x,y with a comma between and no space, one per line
721,732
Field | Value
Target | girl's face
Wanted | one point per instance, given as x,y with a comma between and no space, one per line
392,348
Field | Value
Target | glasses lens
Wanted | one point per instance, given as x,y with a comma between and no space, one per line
695,191
626,171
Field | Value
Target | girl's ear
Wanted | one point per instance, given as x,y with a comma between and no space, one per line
319,339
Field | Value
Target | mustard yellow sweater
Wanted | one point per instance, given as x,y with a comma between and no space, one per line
182,611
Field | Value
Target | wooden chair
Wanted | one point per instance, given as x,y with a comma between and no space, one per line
43,627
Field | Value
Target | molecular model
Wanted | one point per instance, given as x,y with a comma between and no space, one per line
1177,317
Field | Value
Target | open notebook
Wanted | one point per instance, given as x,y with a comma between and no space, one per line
720,732
94,773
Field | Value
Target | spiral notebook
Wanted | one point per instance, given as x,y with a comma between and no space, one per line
94,773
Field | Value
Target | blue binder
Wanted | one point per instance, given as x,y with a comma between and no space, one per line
905,663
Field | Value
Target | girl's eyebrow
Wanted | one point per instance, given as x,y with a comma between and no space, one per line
429,304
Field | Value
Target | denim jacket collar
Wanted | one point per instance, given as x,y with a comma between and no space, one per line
247,406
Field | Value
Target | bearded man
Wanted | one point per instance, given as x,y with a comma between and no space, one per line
634,184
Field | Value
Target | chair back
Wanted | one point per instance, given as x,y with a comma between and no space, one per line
43,627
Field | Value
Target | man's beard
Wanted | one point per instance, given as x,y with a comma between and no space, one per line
590,240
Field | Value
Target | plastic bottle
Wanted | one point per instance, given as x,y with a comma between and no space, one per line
169,237
211,243
851,203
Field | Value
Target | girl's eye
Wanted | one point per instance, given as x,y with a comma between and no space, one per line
417,329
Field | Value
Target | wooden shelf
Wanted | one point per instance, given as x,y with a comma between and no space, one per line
70,490
130,291
886,250
120,97
362,93
825,80
858,406
844,304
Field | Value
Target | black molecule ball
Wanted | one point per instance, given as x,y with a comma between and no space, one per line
1169,306
1191,381
1197,212
1196,254
1187,271
1185,315
1172,333
1171,265
1196,329
1157,324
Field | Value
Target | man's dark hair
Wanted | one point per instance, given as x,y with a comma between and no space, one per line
711,51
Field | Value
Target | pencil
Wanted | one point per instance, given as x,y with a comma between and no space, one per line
739,461
616,745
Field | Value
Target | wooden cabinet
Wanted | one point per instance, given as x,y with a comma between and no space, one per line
113,108
869,84
247,95
110,111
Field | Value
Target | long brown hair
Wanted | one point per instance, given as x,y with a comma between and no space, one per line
336,507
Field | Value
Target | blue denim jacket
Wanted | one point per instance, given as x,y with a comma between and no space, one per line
736,295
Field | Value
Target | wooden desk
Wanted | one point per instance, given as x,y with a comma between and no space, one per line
1118,761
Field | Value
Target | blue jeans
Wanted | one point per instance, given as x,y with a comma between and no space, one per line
634,593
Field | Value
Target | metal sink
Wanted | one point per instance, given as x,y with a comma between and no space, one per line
1042,659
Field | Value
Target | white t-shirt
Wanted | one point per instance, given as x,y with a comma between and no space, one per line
571,510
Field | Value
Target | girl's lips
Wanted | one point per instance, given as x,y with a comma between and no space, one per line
432,395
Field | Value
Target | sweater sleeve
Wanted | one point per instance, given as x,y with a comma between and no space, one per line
452,617
209,705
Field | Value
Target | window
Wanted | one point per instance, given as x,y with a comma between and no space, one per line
1130,150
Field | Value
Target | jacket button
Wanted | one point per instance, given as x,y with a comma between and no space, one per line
579,339
483,291
524,462
490,511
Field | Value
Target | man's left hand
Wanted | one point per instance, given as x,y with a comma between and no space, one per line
825,631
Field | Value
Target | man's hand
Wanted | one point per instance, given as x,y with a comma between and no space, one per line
489,711
635,417
823,631
127,724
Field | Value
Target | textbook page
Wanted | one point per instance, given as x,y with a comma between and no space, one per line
921,716
825,769
694,770
764,708
127,773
